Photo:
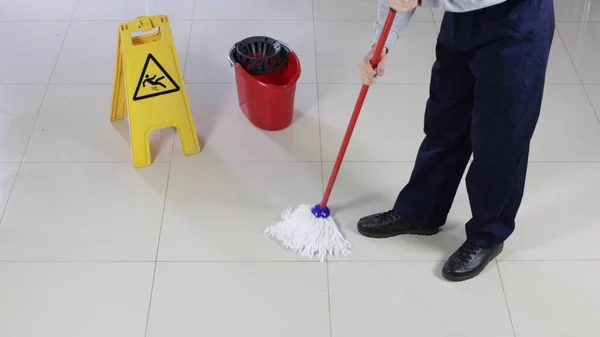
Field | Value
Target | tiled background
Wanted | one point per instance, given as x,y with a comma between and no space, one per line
91,247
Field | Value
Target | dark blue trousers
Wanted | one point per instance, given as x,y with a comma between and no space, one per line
485,96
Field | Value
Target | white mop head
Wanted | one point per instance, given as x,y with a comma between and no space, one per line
300,231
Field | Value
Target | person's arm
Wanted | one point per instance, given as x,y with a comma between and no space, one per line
458,6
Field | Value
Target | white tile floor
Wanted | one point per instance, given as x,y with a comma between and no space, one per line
91,247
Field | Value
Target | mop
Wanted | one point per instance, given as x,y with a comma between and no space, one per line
310,230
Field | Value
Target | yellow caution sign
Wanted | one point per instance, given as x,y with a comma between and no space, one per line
149,85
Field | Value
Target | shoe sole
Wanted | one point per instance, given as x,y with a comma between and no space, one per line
421,232
470,276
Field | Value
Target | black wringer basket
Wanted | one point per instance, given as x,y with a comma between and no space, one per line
260,55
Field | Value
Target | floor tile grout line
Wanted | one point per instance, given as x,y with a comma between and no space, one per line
103,20
444,260
433,17
189,44
317,85
187,56
505,298
37,116
327,272
314,25
577,72
150,299
257,162
597,113
76,261
244,20
162,219
288,261
74,11
299,83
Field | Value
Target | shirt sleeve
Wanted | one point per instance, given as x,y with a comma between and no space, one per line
403,19
458,6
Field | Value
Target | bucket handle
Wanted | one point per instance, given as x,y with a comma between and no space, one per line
232,62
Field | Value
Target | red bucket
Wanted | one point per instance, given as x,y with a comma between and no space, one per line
268,100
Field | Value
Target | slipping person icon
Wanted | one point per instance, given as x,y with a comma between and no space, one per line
153,81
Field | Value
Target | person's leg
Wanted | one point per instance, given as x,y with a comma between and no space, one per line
422,206
510,85
446,149
512,49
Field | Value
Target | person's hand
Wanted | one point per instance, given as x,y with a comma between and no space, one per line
403,5
367,73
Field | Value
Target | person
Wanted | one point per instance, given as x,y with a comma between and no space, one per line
486,91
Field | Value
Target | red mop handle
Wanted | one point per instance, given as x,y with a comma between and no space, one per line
357,108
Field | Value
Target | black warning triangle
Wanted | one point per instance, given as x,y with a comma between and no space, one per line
154,82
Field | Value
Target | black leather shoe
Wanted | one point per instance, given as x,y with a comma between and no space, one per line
388,224
469,261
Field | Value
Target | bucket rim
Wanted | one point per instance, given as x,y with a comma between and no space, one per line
291,82
232,62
